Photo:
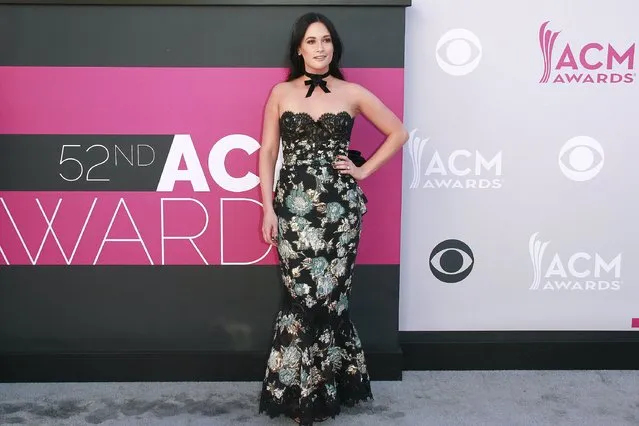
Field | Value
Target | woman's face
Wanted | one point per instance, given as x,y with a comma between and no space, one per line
317,48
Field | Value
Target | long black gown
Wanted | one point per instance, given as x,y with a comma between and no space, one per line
316,362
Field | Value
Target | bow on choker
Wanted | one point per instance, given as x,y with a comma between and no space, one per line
316,80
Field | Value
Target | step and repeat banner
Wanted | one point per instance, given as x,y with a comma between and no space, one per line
519,198
130,210
139,166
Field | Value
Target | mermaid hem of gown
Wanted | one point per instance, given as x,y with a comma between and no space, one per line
323,407
315,366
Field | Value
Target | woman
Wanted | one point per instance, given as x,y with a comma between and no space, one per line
316,360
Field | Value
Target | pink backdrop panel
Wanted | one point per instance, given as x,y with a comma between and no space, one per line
181,226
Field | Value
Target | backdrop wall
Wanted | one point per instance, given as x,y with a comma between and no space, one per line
129,196
518,197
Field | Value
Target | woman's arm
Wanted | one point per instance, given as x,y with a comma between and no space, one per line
268,156
387,122
269,148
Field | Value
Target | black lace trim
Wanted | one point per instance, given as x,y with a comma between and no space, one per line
350,392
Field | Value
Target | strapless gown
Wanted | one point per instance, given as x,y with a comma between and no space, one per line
316,362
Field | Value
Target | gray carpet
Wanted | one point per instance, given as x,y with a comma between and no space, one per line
422,398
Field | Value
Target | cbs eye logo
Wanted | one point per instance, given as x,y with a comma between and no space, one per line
458,52
581,158
451,261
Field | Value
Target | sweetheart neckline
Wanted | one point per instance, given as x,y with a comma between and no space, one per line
316,120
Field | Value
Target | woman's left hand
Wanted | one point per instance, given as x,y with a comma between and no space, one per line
346,167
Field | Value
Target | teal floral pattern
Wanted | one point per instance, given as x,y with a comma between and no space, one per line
334,212
316,362
299,202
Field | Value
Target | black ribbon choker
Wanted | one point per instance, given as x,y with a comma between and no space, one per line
316,80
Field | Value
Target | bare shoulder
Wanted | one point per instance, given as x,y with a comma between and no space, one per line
353,87
358,95
281,89
278,95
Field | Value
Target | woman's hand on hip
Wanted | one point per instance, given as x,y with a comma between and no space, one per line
346,167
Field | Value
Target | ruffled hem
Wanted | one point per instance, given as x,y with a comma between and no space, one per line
322,408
